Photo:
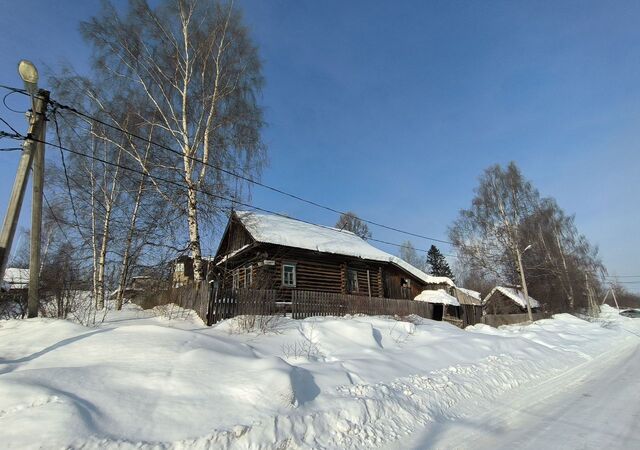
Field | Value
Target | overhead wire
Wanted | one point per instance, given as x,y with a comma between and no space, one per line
207,193
240,176
66,173
245,178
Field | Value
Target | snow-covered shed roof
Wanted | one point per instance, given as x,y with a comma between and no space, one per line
278,230
439,296
15,278
514,294
471,293
468,297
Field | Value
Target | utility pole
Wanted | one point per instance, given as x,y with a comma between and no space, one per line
32,149
593,306
613,292
523,281
36,205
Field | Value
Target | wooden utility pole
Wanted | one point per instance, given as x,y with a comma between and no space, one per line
593,305
36,128
613,292
523,281
36,205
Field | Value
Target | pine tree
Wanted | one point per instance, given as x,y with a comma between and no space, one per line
437,263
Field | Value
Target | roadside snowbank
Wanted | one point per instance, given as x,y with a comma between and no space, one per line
140,381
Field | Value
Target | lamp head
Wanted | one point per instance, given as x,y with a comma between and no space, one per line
29,75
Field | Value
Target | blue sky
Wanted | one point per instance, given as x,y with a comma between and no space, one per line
393,109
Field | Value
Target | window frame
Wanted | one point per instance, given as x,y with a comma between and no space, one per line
248,276
235,279
352,288
294,274
179,267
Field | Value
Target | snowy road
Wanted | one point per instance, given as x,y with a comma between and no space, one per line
594,406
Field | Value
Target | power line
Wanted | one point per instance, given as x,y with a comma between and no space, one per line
204,192
4,134
622,276
240,176
10,127
66,173
58,105
55,217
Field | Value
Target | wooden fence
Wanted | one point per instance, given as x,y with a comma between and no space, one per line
311,303
192,296
213,305
225,305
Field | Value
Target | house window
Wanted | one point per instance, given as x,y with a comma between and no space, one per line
289,275
235,282
352,281
248,276
180,267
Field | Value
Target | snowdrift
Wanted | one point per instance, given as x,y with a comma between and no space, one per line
140,381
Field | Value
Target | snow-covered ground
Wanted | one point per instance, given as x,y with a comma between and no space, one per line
142,380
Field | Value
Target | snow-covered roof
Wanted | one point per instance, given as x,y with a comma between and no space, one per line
15,278
470,293
515,295
273,229
439,296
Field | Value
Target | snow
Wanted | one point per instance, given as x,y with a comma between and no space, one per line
278,230
470,293
439,296
16,278
515,295
142,380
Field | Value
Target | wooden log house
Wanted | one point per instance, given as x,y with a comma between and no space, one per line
265,251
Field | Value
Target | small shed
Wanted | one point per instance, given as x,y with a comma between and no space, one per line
508,300
470,305
445,306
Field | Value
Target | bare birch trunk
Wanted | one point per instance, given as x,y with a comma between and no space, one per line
194,234
124,273
106,228
566,272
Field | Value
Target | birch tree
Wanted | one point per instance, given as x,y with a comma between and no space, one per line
351,222
489,232
508,216
196,67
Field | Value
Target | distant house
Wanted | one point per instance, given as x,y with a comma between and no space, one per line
508,300
266,251
183,270
139,285
15,280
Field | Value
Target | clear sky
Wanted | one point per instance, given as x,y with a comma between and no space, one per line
393,109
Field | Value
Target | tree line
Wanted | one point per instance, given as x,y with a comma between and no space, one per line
172,94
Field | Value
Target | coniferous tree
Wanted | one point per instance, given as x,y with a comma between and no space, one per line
437,264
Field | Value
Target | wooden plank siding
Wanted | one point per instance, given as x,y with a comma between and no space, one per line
315,271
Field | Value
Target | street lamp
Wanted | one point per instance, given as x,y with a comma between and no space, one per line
29,75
